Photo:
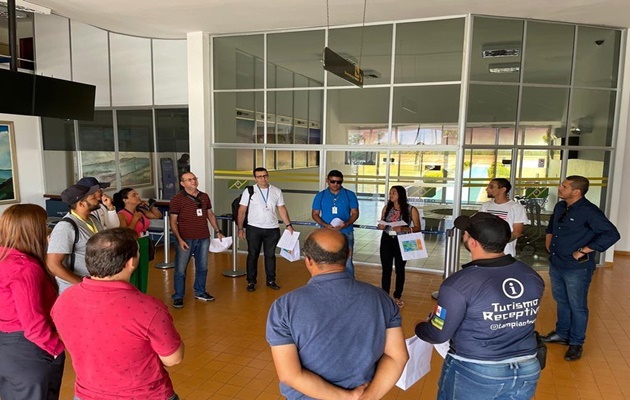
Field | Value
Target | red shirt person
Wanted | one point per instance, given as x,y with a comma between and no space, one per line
120,339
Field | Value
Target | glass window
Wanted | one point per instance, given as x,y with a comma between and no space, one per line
592,117
480,166
543,118
135,146
429,51
58,134
376,60
597,57
493,108
238,62
238,117
96,145
172,130
295,53
548,53
355,109
496,50
595,165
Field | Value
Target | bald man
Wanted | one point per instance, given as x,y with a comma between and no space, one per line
335,337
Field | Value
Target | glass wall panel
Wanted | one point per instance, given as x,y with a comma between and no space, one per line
543,117
594,165
238,117
496,49
491,106
237,62
357,109
58,134
429,51
295,53
426,115
96,144
480,166
135,146
597,57
173,148
548,53
376,44
592,118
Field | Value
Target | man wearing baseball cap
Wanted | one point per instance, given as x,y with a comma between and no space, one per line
106,212
487,310
66,248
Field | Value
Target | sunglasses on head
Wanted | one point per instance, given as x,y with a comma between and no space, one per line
563,216
335,182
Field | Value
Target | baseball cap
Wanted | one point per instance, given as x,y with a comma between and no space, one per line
75,193
486,228
90,181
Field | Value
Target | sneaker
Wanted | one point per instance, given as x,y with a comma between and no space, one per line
251,287
205,296
273,285
574,353
178,303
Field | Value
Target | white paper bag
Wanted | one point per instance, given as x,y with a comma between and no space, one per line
412,246
419,363
292,254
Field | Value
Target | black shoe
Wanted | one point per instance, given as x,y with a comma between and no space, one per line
251,287
178,303
574,353
205,296
273,285
553,337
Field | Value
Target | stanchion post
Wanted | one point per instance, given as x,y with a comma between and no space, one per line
449,257
167,245
234,272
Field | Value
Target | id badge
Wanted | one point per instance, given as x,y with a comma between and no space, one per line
334,210
199,212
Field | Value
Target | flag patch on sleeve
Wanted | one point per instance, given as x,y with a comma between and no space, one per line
439,316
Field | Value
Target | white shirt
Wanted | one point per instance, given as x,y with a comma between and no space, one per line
512,212
263,206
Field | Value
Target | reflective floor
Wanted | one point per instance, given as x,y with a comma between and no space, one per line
227,356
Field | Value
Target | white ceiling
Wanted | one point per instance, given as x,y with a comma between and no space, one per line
175,18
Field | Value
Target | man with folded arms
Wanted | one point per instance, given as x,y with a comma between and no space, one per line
120,339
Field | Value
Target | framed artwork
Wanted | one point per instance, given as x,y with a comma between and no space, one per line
9,192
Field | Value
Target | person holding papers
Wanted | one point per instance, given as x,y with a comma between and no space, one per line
397,217
487,310
262,227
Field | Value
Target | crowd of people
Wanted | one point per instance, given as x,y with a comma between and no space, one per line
82,288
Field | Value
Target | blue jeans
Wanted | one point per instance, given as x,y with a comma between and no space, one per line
198,248
471,381
569,288
349,264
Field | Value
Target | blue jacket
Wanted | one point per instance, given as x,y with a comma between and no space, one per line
579,225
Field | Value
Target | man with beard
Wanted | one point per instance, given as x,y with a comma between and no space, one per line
106,212
66,249
487,311
509,210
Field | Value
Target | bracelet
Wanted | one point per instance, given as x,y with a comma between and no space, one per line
220,231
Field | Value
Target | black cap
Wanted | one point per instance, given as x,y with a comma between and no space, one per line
90,181
76,193
486,228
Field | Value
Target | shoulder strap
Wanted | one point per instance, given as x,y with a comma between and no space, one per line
76,240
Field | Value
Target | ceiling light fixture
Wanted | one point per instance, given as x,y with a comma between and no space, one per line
501,50
504,68
21,5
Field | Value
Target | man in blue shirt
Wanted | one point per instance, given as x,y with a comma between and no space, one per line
337,208
576,230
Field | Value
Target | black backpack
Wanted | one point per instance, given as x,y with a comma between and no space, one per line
236,205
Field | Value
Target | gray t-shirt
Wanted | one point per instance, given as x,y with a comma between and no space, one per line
61,241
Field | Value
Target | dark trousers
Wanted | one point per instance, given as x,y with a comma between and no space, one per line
267,239
26,371
390,254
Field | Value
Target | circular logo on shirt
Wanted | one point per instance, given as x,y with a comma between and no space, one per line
513,288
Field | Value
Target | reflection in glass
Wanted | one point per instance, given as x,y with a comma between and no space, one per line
352,109
429,51
492,106
238,117
548,53
496,49
592,117
135,130
595,165
597,57
376,59
236,60
543,118
295,53
172,130
58,134
481,165
96,144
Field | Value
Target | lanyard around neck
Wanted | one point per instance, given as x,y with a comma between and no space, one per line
91,227
265,199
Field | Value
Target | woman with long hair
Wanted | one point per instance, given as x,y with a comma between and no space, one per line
396,209
31,352
135,214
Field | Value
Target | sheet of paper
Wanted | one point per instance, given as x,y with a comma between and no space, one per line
217,246
337,222
287,240
442,348
392,224
419,363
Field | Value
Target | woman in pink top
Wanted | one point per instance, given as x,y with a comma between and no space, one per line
135,214
31,352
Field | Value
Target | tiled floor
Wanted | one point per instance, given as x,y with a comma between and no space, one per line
227,356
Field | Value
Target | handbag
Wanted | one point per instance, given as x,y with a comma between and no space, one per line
412,246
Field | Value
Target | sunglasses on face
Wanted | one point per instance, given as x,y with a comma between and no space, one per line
335,182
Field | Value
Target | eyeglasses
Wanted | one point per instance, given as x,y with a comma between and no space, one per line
190,180
335,182
563,216
261,176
